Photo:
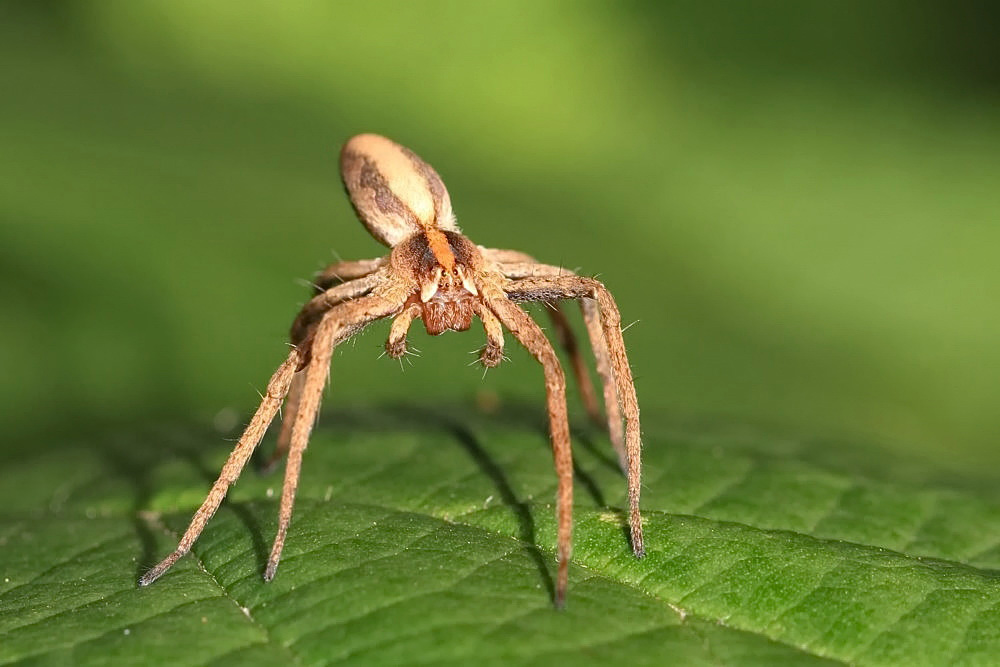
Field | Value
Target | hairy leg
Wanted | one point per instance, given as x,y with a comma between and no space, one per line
492,353
612,408
336,326
576,287
530,335
289,411
564,333
317,306
513,265
518,270
275,393
342,272
395,346
504,256
306,318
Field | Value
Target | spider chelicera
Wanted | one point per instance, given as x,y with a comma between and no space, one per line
434,273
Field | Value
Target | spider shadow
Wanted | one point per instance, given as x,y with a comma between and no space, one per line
608,460
242,511
128,461
528,417
526,523
459,422
517,415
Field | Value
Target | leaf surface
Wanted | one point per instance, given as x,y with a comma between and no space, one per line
427,537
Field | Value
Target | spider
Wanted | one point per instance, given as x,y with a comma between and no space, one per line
435,273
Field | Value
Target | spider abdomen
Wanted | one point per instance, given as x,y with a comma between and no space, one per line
393,191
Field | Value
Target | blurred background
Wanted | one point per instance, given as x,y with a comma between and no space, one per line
797,203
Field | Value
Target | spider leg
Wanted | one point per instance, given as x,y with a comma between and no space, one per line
317,306
504,256
291,408
612,408
311,311
518,270
395,346
576,287
567,340
275,393
342,272
336,326
531,337
516,265
492,353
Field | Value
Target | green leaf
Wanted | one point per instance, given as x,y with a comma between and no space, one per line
426,536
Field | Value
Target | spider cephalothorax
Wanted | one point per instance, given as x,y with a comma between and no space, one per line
443,265
436,274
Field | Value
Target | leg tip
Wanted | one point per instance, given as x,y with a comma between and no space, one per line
638,544
150,577
638,548
160,569
560,601
395,349
562,582
491,356
636,536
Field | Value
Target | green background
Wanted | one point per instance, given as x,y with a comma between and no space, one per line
796,203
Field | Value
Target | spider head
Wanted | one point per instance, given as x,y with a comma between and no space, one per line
444,265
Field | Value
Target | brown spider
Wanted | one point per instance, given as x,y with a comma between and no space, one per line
435,273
